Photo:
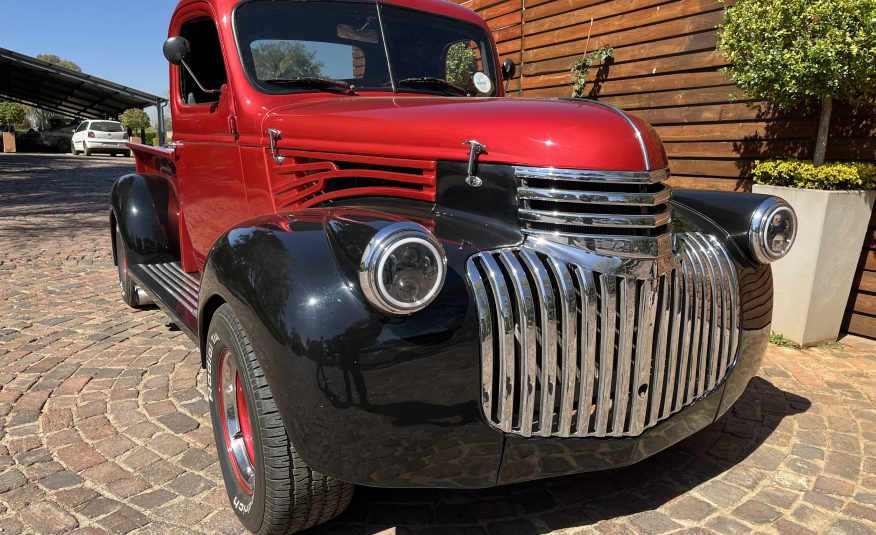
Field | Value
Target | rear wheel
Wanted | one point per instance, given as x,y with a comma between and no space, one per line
126,154
85,150
132,295
64,146
270,488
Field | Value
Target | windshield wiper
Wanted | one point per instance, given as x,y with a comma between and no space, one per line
428,80
311,81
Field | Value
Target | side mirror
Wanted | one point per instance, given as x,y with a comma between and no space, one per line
177,49
508,69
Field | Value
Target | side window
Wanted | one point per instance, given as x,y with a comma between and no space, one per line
464,67
206,61
82,126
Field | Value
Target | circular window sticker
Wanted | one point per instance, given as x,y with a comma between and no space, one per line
482,82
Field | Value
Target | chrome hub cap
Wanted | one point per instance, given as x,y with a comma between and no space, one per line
236,422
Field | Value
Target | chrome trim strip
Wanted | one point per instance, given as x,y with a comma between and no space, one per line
677,316
485,328
567,364
627,316
689,327
648,302
594,197
593,175
505,397
526,335
596,220
642,247
548,314
636,131
587,329
606,357
661,352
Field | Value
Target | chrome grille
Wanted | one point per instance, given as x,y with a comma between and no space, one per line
605,206
571,351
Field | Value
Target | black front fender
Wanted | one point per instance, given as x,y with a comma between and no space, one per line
146,210
365,397
725,214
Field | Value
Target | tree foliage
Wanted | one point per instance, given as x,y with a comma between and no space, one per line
60,62
462,63
135,119
792,51
788,51
11,113
285,59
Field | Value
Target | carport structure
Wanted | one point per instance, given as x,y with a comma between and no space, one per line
34,82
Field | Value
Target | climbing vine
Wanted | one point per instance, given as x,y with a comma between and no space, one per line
582,65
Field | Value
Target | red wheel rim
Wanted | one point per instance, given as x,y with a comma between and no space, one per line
236,423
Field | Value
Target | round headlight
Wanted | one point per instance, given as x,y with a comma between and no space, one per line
773,229
402,269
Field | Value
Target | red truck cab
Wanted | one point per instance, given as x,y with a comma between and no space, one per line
397,276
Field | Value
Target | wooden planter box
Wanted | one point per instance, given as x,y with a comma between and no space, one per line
8,142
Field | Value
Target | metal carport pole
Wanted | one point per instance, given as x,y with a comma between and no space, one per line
161,134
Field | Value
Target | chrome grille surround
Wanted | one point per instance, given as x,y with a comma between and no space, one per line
575,344
609,212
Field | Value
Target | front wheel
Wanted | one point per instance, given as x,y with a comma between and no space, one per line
270,488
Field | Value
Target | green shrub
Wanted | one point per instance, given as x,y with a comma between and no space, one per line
11,114
806,175
134,119
794,51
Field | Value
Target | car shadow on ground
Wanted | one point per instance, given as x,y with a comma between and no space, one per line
41,185
586,499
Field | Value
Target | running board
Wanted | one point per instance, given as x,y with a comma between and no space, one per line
173,290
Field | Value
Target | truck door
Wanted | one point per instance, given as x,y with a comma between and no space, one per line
211,187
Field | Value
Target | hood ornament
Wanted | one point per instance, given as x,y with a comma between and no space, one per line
475,148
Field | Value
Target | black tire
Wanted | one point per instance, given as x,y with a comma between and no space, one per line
126,154
64,146
85,150
73,149
283,495
129,291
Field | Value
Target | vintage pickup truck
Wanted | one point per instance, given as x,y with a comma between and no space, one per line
399,277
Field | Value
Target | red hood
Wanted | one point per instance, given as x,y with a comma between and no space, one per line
534,132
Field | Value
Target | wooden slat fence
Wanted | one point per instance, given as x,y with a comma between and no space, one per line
667,71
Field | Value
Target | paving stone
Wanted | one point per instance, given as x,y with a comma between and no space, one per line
61,480
190,485
103,417
152,499
48,517
178,422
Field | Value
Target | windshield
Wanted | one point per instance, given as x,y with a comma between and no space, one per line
106,126
292,46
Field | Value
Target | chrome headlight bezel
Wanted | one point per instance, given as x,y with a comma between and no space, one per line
383,244
758,234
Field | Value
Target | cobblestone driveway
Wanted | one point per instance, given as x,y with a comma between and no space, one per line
104,427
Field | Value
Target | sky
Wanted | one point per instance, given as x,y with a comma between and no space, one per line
119,40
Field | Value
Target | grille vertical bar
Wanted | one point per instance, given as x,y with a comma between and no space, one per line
569,351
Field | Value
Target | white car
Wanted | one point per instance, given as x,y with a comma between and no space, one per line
108,137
